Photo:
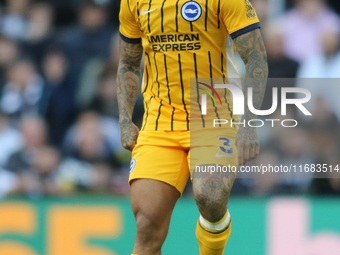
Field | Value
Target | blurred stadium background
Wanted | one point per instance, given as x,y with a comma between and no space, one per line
63,173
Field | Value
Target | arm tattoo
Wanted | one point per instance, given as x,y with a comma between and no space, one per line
128,79
253,53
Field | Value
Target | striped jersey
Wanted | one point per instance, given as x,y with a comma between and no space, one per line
183,40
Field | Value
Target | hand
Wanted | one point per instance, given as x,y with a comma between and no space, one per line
248,145
129,133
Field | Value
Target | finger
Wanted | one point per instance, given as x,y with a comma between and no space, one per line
252,153
133,145
129,145
237,143
257,150
240,155
246,154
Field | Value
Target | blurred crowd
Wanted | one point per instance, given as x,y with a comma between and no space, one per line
303,47
59,131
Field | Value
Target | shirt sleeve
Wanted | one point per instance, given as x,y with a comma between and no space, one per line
129,28
239,17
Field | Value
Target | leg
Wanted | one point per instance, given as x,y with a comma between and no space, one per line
158,175
213,165
152,203
211,192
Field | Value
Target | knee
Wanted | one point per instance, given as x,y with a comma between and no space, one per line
145,223
212,196
150,231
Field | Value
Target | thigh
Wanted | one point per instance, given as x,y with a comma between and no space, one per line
213,165
153,199
167,164
213,152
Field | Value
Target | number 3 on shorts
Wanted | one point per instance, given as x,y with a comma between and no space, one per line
226,148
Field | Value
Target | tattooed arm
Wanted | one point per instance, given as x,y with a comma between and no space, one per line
253,53
129,81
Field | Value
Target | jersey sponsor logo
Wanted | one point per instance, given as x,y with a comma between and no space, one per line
143,12
174,38
132,165
176,47
191,11
175,42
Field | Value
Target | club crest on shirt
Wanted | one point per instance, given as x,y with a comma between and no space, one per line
191,11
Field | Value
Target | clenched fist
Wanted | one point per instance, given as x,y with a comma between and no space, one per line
129,133
248,145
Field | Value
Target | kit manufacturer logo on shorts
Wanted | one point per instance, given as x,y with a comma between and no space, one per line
132,165
191,11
